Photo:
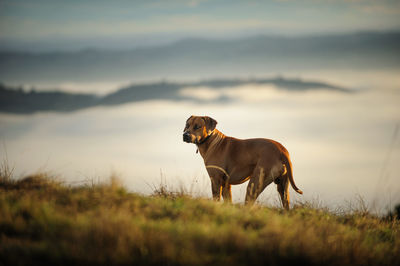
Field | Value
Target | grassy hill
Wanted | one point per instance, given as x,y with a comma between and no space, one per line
43,221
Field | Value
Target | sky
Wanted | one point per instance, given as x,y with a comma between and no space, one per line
69,25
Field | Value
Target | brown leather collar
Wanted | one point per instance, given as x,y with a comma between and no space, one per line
204,140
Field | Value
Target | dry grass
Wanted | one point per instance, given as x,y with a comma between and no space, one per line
43,221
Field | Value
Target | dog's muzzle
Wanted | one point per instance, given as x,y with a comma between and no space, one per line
187,137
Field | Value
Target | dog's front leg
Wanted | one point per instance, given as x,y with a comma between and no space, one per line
216,188
227,192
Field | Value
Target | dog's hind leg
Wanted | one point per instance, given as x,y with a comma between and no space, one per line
259,180
283,189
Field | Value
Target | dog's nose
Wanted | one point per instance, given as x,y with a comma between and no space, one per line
186,136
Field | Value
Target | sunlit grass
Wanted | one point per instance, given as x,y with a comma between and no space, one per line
43,220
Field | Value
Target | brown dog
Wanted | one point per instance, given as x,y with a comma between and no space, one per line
230,161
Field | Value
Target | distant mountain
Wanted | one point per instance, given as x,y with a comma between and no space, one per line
19,101
199,58
16,100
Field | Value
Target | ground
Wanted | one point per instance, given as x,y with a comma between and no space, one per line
43,221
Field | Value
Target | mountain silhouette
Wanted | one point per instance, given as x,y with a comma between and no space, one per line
16,100
199,58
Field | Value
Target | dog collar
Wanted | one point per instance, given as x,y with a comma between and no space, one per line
204,140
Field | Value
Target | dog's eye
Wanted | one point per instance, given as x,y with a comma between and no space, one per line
196,127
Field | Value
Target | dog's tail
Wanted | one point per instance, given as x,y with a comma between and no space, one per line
288,163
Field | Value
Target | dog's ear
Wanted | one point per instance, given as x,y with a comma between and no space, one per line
210,123
189,118
187,125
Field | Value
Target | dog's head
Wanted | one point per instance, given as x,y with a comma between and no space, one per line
198,128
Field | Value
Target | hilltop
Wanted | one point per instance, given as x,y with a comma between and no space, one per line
43,221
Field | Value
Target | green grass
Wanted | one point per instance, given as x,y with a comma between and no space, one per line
43,221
